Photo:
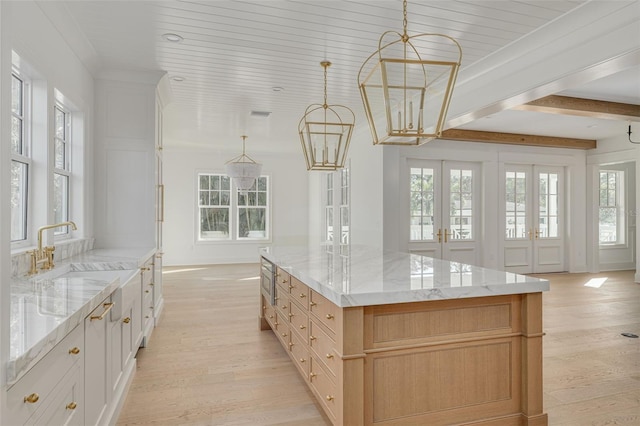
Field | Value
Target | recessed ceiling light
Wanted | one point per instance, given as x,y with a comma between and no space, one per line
177,78
277,89
174,38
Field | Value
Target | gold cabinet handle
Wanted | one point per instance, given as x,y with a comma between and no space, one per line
32,399
329,356
144,268
127,320
302,295
329,316
284,307
146,291
151,284
284,334
312,304
302,327
71,406
271,316
290,344
74,351
291,315
290,286
302,360
329,398
264,308
107,308
276,323
312,337
311,376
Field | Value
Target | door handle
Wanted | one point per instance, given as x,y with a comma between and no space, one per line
530,234
439,235
446,235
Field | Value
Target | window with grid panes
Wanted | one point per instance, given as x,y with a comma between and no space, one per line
62,167
253,210
611,208
214,206
20,158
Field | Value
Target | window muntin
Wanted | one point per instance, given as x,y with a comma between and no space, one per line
226,213
548,209
422,196
214,205
62,168
516,205
461,204
611,208
252,210
328,208
20,160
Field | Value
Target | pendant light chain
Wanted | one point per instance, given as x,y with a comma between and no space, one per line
404,21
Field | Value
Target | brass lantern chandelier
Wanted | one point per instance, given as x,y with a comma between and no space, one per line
405,96
325,131
243,169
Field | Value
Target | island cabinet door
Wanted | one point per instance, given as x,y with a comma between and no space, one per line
97,383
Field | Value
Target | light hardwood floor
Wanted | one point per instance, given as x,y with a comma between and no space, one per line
207,363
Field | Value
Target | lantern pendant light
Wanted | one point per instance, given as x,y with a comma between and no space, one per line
405,96
325,132
243,169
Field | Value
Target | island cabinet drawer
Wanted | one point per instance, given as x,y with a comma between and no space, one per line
324,388
34,390
282,331
269,313
300,354
299,321
323,347
327,312
67,403
299,292
283,279
282,304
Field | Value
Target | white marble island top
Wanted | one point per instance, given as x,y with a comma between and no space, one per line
366,276
48,306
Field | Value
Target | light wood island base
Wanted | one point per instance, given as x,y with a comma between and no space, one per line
468,361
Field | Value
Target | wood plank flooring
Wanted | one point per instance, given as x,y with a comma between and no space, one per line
207,363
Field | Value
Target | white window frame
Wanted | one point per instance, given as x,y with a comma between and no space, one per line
65,171
618,203
24,157
236,207
233,212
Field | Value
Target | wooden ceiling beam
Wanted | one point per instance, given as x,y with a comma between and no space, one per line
567,105
517,139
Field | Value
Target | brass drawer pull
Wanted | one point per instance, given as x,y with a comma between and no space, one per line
284,334
127,320
144,268
270,316
312,304
302,360
302,295
302,327
329,356
290,344
312,375
329,316
146,291
329,398
107,308
312,337
291,315
284,306
74,351
32,399
71,406
290,286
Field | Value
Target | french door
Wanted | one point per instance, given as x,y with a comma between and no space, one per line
533,219
444,200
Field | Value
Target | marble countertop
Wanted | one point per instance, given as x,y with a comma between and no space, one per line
48,306
363,276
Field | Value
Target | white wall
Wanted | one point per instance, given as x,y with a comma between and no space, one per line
290,200
613,151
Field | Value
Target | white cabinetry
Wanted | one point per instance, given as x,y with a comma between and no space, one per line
52,392
96,377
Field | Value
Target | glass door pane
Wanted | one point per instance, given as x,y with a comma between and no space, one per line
421,209
516,205
461,204
548,205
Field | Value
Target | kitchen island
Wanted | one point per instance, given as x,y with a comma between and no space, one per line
391,338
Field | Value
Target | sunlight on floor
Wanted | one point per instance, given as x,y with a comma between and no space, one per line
596,282
182,270
249,279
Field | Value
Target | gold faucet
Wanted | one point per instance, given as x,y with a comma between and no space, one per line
45,255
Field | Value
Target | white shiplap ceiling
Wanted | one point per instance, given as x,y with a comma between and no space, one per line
234,53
